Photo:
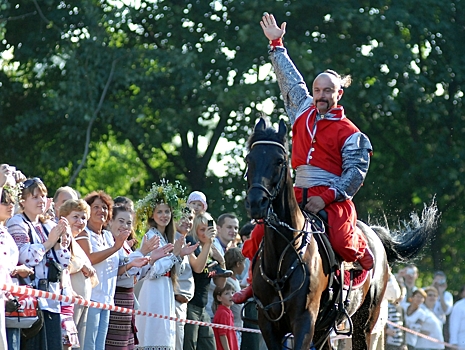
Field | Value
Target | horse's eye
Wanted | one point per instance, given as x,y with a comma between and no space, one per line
280,162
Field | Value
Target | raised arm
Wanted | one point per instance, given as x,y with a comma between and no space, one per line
291,83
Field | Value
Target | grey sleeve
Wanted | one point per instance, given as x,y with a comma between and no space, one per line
355,162
291,83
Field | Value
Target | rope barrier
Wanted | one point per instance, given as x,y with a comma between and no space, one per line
24,290
405,329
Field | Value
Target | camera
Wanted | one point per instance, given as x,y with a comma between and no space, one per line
211,223
12,305
43,285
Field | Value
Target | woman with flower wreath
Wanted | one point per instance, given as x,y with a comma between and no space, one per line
160,208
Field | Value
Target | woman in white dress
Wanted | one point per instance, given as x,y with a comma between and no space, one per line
157,293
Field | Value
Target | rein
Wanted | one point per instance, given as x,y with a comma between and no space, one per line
278,283
272,221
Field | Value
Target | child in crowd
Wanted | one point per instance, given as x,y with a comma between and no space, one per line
235,262
225,338
69,331
198,202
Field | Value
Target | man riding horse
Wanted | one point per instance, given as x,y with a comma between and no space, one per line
329,154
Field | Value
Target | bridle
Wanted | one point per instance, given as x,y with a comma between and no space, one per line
277,189
272,221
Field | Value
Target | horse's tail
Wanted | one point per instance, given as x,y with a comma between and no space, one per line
405,243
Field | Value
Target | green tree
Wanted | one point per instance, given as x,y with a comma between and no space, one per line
166,80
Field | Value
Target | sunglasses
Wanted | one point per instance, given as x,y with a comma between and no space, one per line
30,182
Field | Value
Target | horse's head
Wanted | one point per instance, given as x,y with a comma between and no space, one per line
266,167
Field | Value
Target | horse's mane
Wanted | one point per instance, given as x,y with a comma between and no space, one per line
267,134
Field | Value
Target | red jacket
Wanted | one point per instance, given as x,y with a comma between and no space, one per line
327,142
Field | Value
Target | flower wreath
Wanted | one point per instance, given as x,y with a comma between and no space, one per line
14,191
165,192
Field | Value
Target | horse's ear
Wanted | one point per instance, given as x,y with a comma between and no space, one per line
261,125
282,132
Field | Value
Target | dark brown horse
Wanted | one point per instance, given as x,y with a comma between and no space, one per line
290,281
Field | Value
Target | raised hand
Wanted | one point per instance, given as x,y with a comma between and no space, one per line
216,255
60,229
6,175
178,244
210,233
121,238
19,176
188,249
139,262
160,252
149,244
270,27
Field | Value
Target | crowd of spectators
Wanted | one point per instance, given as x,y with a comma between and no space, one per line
185,265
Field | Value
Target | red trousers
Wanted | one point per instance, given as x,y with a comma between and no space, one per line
345,238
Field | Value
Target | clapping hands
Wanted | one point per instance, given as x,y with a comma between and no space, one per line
150,244
160,252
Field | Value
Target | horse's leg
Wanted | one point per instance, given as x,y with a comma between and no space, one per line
302,328
326,345
271,333
362,321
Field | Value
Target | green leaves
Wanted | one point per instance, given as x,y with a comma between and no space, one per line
184,77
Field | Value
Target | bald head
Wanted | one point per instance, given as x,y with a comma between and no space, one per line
62,195
328,89
328,78
327,92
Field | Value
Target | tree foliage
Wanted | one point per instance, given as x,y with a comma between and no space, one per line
153,86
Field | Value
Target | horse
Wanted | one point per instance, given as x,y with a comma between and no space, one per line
291,285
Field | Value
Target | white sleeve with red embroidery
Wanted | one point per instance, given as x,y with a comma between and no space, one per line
30,253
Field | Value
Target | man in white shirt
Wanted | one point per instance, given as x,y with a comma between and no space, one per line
227,227
443,306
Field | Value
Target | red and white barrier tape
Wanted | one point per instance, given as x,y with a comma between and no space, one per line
423,335
21,290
